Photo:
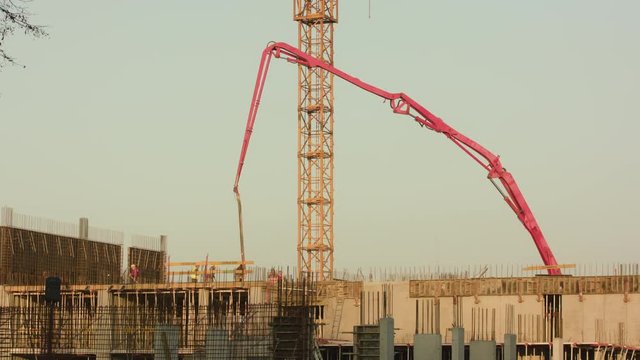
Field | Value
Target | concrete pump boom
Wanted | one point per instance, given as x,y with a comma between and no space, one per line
402,104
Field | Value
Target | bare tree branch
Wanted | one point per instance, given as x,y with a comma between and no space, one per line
15,17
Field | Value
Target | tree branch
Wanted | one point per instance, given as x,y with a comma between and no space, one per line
15,17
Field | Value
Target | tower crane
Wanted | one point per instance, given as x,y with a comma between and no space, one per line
402,104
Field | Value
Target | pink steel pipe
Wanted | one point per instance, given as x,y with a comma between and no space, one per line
402,104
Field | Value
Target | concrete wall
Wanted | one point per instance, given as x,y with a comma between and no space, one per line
612,318
616,316
588,318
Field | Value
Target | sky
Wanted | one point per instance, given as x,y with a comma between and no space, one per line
132,113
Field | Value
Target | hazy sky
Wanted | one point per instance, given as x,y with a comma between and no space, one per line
132,113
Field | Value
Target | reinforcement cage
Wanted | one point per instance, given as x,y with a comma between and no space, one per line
27,257
222,325
151,263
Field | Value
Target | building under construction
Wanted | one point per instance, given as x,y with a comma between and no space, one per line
215,311
103,312
96,305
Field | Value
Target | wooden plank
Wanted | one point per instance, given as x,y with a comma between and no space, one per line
208,272
193,263
549,267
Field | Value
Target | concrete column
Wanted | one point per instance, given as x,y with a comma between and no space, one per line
217,345
163,248
457,343
386,338
11,300
103,327
163,243
509,351
4,297
6,217
203,305
203,298
427,347
83,232
103,298
482,350
165,342
81,265
558,349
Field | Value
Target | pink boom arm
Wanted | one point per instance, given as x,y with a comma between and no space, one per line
403,104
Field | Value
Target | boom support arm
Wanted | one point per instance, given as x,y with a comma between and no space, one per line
402,104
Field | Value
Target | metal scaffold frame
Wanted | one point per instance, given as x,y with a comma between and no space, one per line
315,139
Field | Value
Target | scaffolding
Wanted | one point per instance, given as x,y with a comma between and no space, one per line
219,322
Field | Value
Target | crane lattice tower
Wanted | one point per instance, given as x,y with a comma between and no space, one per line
315,139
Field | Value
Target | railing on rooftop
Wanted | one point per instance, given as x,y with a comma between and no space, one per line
39,224
147,242
16,220
441,272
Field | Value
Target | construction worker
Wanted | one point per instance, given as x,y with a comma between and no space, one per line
194,273
134,273
272,280
239,273
212,273
273,276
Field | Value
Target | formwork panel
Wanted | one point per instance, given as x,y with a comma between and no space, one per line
366,342
28,257
151,263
